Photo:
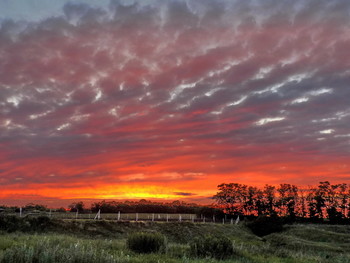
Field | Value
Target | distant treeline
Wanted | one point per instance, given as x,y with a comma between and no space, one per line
325,201
142,206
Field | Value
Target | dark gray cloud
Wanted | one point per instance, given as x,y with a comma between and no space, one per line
184,194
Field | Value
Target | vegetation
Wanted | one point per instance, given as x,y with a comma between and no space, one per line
48,251
316,203
143,242
264,225
107,241
142,206
276,228
212,247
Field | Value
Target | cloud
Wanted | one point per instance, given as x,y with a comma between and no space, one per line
190,87
184,194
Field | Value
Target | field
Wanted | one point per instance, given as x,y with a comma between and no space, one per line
45,240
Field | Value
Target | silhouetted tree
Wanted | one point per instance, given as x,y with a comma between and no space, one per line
77,206
324,201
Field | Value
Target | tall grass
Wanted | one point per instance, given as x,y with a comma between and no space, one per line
108,243
47,251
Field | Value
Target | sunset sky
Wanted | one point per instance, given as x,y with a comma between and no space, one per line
167,99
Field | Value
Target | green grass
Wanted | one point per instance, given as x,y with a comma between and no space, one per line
105,241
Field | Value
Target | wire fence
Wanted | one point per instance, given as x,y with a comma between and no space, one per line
152,217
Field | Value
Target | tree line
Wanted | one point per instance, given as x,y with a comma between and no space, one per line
141,206
316,203
146,206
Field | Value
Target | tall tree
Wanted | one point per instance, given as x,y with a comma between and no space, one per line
233,198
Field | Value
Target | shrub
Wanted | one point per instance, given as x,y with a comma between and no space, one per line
264,225
210,246
143,242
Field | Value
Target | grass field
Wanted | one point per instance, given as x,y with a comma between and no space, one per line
105,241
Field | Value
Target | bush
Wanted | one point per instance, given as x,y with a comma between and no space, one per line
210,246
264,225
143,242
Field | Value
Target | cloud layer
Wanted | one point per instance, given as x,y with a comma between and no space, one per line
170,98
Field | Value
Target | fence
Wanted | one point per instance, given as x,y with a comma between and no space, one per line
158,217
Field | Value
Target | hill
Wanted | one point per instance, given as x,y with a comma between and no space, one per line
104,241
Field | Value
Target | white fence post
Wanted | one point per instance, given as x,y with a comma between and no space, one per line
137,216
98,215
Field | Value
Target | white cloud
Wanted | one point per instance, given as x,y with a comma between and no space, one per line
329,131
268,120
300,100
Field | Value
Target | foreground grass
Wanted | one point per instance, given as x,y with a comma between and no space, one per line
105,241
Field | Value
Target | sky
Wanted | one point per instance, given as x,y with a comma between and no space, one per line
166,99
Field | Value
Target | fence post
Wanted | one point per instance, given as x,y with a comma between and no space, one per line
214,218
137,216
167,217
152,217
180,218
20,212
118,218
98,215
